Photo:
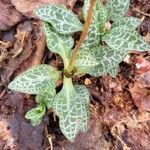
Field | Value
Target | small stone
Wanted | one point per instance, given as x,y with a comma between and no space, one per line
87,82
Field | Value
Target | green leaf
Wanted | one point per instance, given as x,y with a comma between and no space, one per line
47,95
102,15
85,8
35,79
57,43
117,8
85,59
131,22
108,59
36,122
36,113
96,28
114,71
124,37
63,20
71,105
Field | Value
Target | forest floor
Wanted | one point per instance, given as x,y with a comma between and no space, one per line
119,106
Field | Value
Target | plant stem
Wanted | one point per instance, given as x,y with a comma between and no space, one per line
65,57
84,33
68,86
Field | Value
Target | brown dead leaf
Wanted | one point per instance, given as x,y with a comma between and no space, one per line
22,33
15,131
27,58
40,44
140,93
147,37
142,65
9,16
146,78
128,130
137,138
3,50
71,3
6,135
27,6
142,99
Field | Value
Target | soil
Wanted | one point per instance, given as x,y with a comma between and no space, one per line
119,106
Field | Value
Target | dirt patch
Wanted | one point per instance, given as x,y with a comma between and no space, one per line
9,16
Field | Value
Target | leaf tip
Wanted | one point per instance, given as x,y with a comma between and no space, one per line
11,85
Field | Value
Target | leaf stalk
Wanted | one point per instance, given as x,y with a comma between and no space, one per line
84,33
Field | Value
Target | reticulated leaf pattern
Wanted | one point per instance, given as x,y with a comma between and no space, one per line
55,41
102,16
131,22
117,8
36,114
108,59
58,43
84,111
63,20
71,105
47,95
96,28
85,59
124,37
35,79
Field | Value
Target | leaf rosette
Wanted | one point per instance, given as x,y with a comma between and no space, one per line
99,54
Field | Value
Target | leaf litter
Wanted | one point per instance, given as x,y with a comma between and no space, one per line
9,16
119,106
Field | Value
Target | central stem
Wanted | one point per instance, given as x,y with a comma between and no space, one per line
84,33
68,87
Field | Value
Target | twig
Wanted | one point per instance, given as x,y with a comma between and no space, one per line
2,93
121,122
139,11
85,31
50,142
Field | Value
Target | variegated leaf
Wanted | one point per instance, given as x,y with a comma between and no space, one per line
57,43
47,95
85,59
35,79
108,59
63,20
101,16
71,105
131,22
96,28
84,109
85,8
124,37
117,8
114,71
36,114
36,122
